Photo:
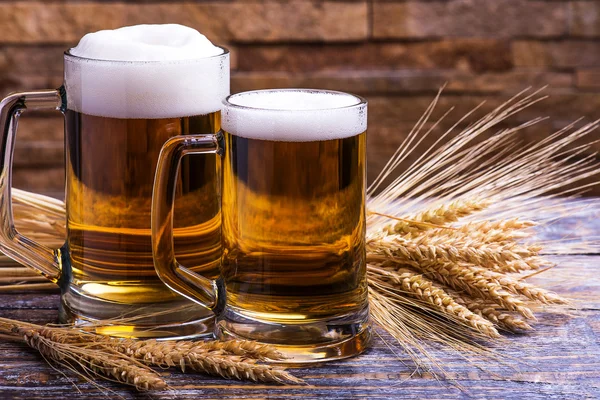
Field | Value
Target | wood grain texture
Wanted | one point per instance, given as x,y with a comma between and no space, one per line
559,360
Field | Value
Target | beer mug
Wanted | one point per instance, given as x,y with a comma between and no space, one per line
118,113
293,269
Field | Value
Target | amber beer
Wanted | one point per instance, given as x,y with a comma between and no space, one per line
295,249
110,173
126,92
293,268
118,116
294,220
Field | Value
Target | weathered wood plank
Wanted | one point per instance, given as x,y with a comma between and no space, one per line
560,359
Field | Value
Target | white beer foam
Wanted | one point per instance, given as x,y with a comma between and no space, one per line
294,115
146,71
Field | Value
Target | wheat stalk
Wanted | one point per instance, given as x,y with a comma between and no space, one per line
462,279
228,359
228,367
245,348
444,248
441,215
493,313
89,361
124,360
518,287
416,285
501,231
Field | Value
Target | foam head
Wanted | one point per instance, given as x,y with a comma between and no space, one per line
146,71
294,115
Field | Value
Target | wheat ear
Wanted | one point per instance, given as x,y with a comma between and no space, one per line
228,367
495,231
493,313
462,278
441,215
442,248
91,361
214,357
421,288
211,357
153,349
229,359
519,287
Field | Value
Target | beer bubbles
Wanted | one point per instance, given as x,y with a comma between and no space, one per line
295,115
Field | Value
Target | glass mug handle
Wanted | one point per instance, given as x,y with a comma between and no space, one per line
18,247
206,292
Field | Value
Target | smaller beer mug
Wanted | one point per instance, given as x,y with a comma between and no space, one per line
293,269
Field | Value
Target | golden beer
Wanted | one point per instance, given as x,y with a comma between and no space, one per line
293,269
110,173
294,227
126,92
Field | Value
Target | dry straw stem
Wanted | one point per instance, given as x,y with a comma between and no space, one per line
416,326
17,287
494,313
416,285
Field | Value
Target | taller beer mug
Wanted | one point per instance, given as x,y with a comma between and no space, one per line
125,93
293,203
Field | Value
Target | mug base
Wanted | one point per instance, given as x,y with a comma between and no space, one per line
172,320
307,343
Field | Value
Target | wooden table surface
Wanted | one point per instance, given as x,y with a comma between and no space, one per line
560,359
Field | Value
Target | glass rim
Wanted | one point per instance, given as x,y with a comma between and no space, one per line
361,101
225,52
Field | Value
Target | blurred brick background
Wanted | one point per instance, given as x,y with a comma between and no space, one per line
396,53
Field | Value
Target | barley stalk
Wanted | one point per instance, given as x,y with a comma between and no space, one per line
503,239
152,349
227,367
228,359
526,264
416,285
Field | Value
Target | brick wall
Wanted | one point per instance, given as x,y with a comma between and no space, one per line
396,53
